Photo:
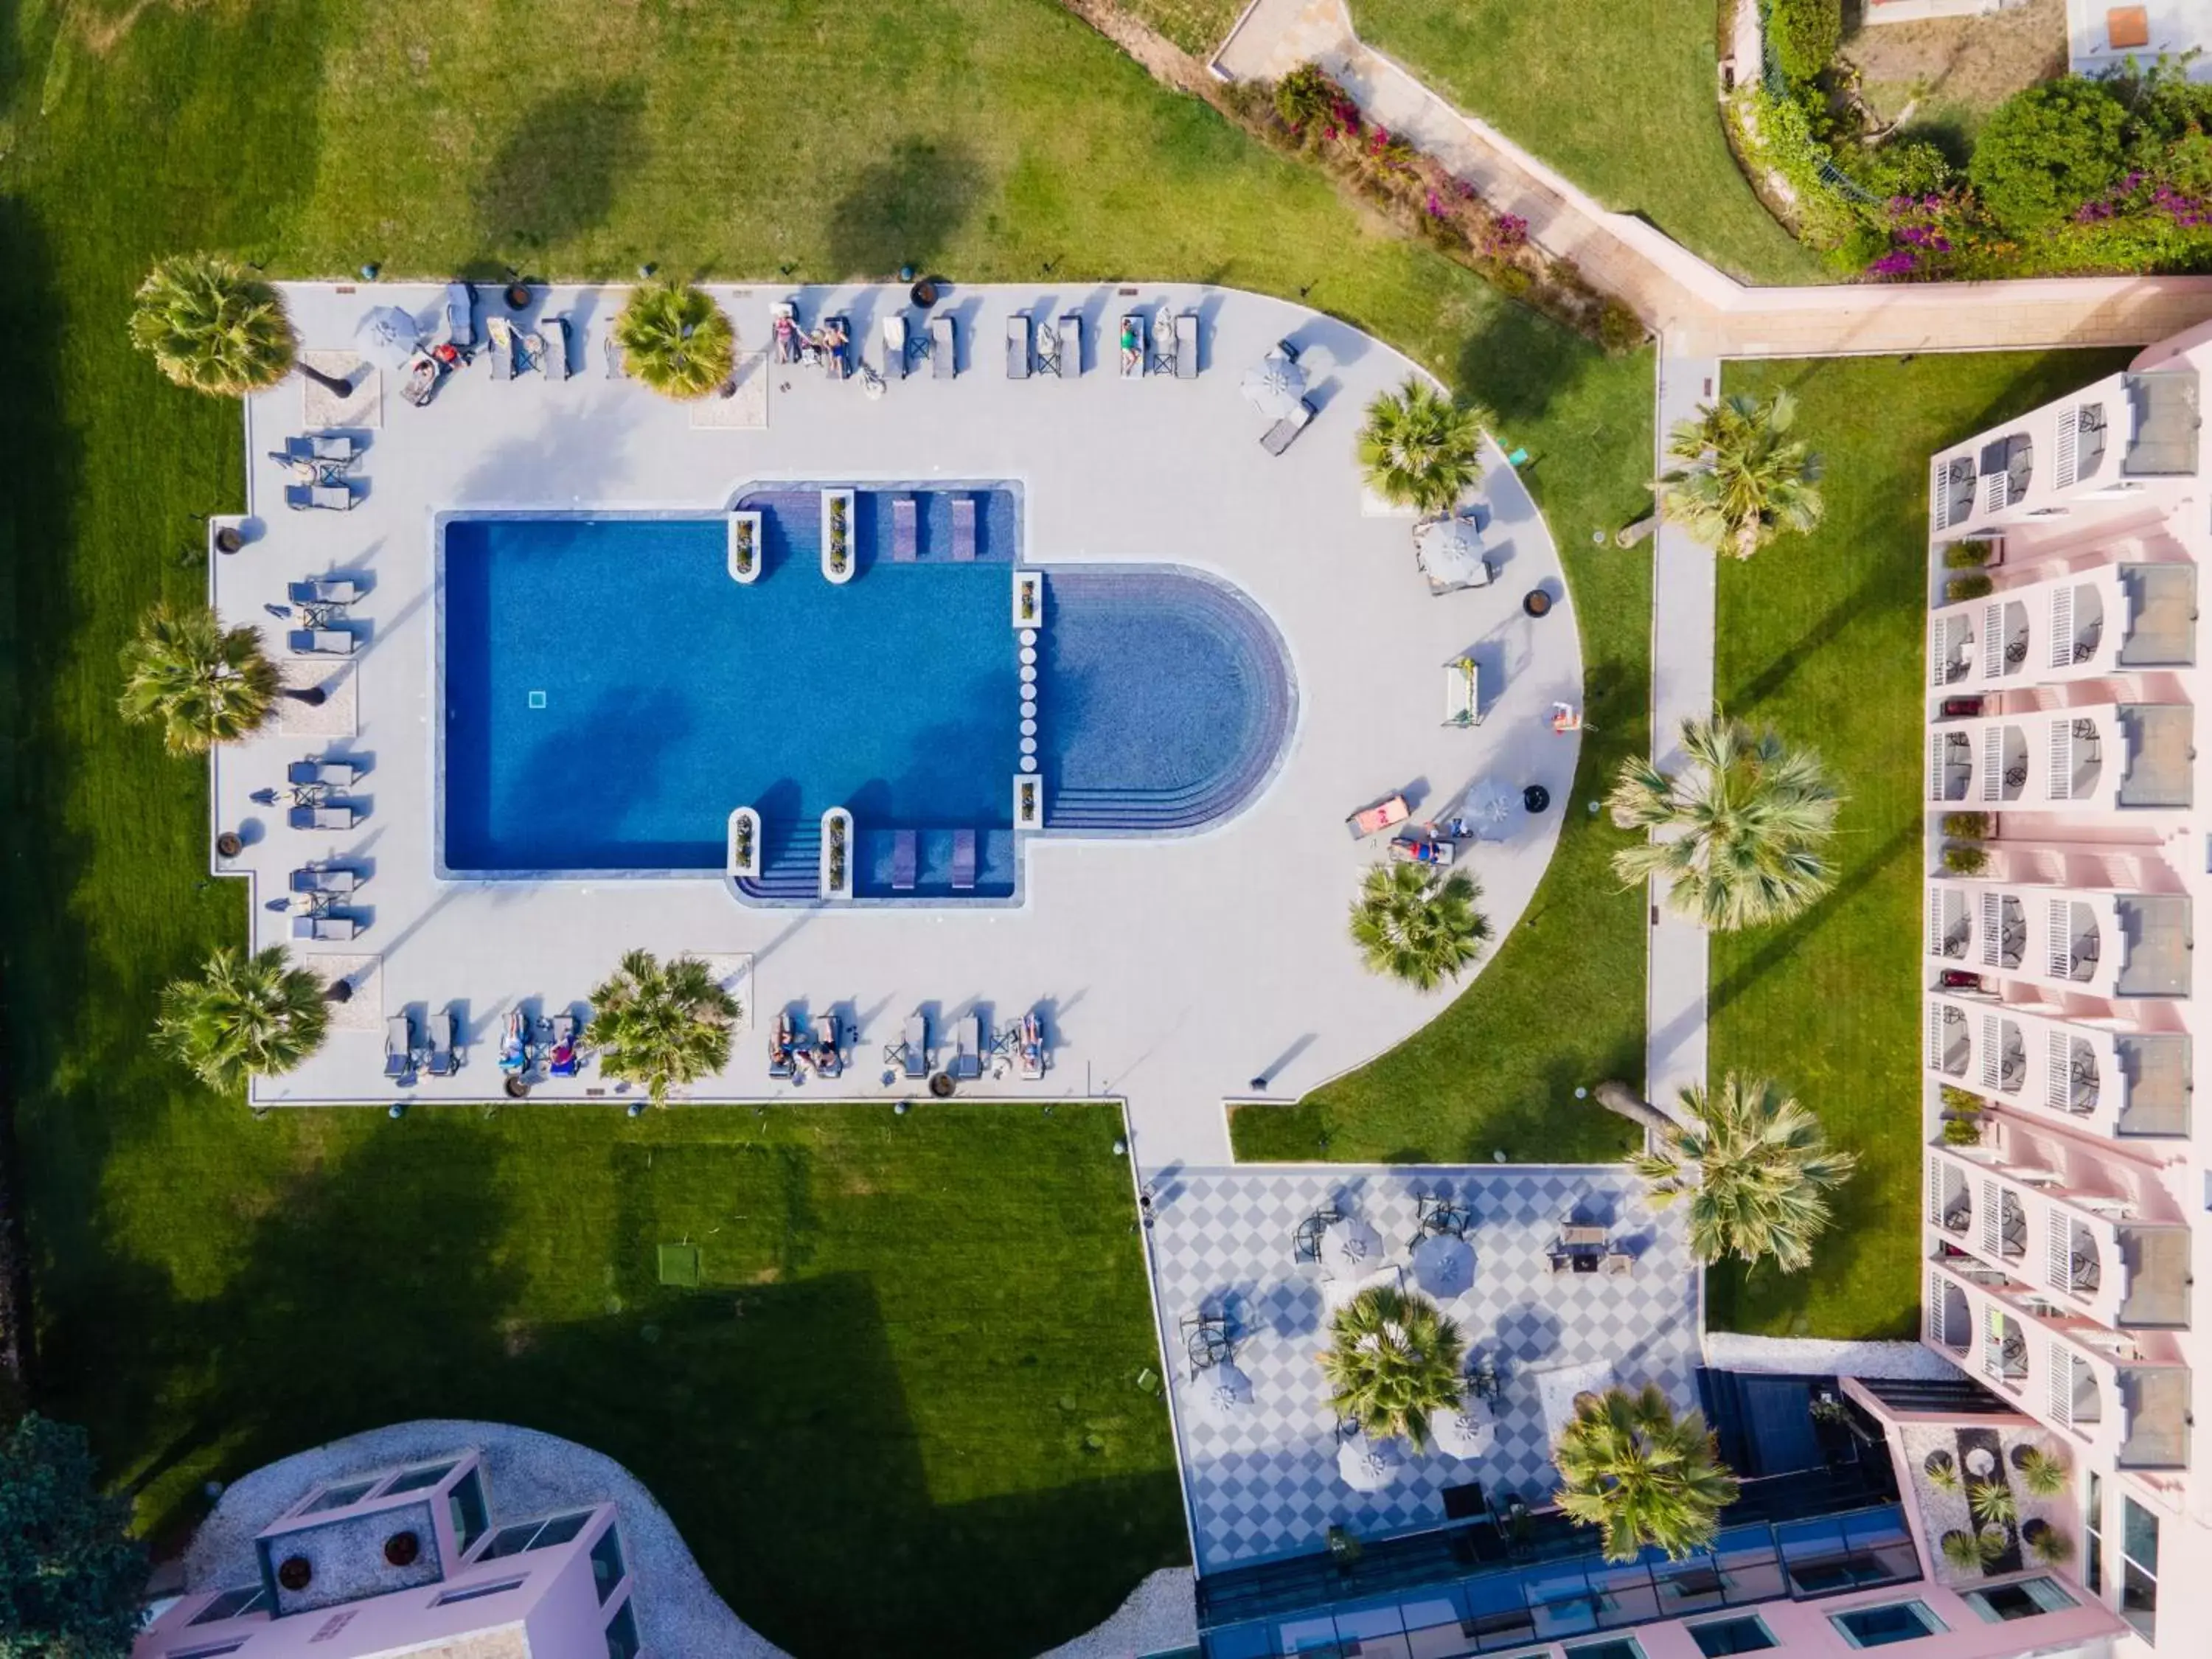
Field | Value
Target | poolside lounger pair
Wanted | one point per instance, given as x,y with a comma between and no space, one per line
324,928
501,334
1373,820
399,1048
905,532
1278,437
336,497
324,590
944,347
553,358
1017,346
323,817
321,642
316,878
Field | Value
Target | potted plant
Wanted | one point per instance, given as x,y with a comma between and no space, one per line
744,847
1959,589
2042,1473
1966,826
1966,556
1966,858
1967,1552
2048,1546
744,549
1941,1470
840,534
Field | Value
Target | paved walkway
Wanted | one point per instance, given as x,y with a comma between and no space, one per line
1701,312
1682,587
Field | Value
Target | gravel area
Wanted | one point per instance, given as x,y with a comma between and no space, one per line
1805,1356
1941,1511
529,1473
1160,1615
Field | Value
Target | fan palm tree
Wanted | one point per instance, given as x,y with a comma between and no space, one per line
1392,1358
1992,1502
257,1015
676,339
1971,1551
662,1023
1629,1466
1419,449
1742,478
1751,819
1754,1166
1411,921
204,683
2043,1474
211,325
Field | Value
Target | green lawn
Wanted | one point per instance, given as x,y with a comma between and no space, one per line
1824,640
1562,1005
1620,95
1199,26
211,1290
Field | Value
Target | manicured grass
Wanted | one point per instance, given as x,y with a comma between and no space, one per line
882,1436
1561,1006
1824,638
1199,26
1620,95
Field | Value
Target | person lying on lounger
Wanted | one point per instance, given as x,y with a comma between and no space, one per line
1132,345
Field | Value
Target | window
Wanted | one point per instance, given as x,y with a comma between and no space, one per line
337,1498
510,1540
232,1604
2139,1568
1744,1635
559,1529
231,1646
465,1503
2023,1600
1621,1647
417,1480
1878,1627
607,1563
477,1592
622,1634
2093,1526
534,1536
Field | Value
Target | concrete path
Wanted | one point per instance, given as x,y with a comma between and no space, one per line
1682,587
1700,311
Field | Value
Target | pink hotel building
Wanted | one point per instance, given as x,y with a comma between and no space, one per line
410,1560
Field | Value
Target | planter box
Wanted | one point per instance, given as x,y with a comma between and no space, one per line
837,851
745,550
1028,599
1029,802
744,843
838,559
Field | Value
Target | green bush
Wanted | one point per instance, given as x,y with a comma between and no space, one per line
1966,858
1966,826
1965,556
1967,587
2046,151
1962,1132
1962,1100
1805,34
1618,329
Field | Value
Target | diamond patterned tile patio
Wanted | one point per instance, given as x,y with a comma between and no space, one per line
1221,1244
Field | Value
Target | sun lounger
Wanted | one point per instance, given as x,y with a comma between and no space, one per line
1186,345
319,642
1031,1050
420,382
917,1044
836,342
336,497
903,529
324,590
944,347
1017,346
1071,344
399,1047
963,528
1422,849
334,775
829,1058
328,454
322,818
514,1044
1286,351
323,878
334,930
461,314
1373,820
964,860
968,1048
1278,437
785,338
783,1047
553,362
1133,346
445,1043
566,1061
501,334
895,347
903,860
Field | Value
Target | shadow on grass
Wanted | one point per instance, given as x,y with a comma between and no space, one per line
905,210
1517,362
556,176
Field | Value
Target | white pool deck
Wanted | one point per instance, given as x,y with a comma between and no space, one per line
1171,971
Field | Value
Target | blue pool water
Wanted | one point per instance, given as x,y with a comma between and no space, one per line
611,694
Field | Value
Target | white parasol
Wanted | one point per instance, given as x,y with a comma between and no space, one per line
1466,1430
1350,1247
1368,1465
388,336
1489,805
1277,386
1222,1395
1444,1265
1449,552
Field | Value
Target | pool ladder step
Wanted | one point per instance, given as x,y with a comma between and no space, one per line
792,867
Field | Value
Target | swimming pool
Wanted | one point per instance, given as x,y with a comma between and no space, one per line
610,693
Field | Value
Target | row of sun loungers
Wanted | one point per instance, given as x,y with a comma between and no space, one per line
790,1049
906,530
906,860
544,348
1022,1043
440,1055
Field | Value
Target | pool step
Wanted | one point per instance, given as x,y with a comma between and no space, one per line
791,867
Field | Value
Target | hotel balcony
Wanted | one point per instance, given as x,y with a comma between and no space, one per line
2094,1251
2074,941
2110,619
2124,1396
2105,444
2091,1075
2088,761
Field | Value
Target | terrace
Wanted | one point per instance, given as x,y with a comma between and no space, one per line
1134,949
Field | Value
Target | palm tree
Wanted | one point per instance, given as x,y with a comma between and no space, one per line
1971,1551
1992,1502
1418,449
1412,921
204,683
1742,480
258,1015
1755,1166
662,1023
2043,1474
1392,1358
1629,1466
211,325
1751,819
676,339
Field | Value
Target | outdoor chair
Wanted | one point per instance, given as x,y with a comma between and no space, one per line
904,530
916,1045
964,860
325,879
501,334
332,497
324,591
895,348
328,454
321,642
944,347
903,860
445,1044
324,928
1017,346
964,529
553,361
1280,436
567,1062
837,344
829,1054
322,818
1559,1262
1186,346
1305,1239
461,315
1071,344
332,775
1286,351
1131,346
398,1048
968,1048
1620,1262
